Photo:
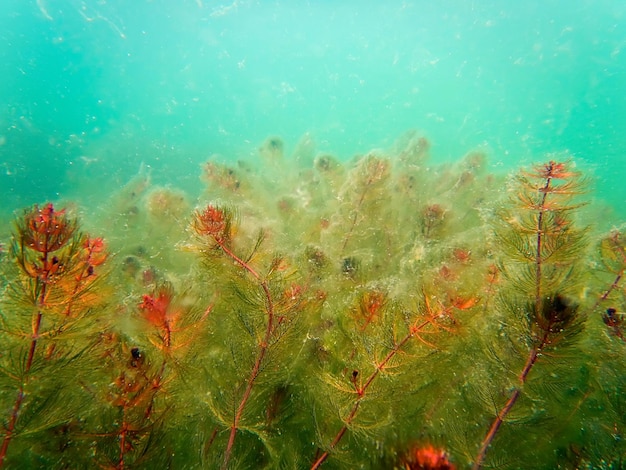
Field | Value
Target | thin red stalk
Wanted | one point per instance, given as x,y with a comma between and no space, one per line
495,426
538,259
33,343
356,214
619,275
155,386
360,392
10,430
209,442
370,181
532,356
238,260
11,427
123,432
612,286
261,354
167,337
318,463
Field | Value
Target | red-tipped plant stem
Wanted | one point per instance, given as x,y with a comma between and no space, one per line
256,369
40,233
122,437
551,170
539,246
360,390
138,393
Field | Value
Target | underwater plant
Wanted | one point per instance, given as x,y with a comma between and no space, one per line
45,318
385,312
132,392
271,301
390,337
542,248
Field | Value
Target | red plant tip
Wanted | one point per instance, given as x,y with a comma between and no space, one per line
211,222
493,274
155,307
48,213
294,291
46,229
95,251
45,220
427,458
463,303
462,255
292,295
554,170
371,304
94,245
434,212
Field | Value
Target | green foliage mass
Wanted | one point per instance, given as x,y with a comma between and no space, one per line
382,313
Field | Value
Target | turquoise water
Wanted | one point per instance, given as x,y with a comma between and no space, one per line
93,90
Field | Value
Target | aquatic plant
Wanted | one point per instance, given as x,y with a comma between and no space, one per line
47,301
270,301
542,248
378,352
381,313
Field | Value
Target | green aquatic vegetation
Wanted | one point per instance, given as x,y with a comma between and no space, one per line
541,248
48,300
382,313
268,304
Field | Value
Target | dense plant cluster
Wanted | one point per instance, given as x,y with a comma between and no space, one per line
381,313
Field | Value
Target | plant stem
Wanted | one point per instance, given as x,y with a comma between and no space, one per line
10,430
263,347
534,352
360,391
375,172
538,257
502,414
354,218
618,249
122,436
17,406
